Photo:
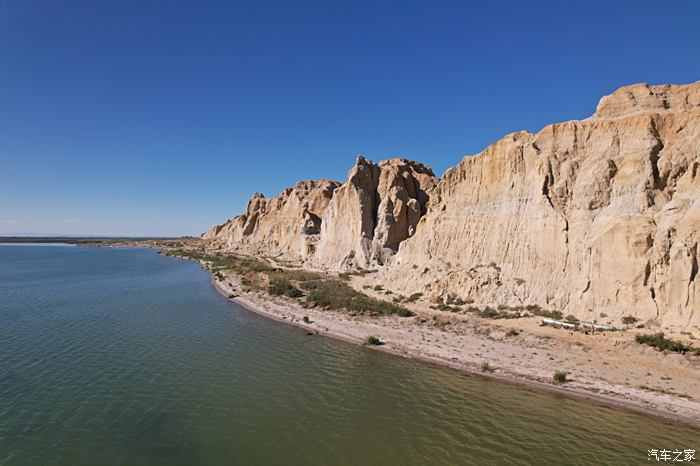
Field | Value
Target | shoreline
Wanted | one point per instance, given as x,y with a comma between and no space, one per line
334,324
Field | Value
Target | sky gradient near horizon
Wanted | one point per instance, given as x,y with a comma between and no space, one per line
163,118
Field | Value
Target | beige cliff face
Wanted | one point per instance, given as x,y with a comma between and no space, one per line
334,225
287,225
598,218
371,214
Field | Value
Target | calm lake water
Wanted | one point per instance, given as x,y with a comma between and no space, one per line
126,357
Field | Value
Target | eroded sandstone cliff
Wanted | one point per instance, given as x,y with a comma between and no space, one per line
334,225
286,225
371,214
598,218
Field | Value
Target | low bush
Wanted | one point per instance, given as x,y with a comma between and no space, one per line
372,340
414,297
309,285
486,367
489,313
538,311
560,376
306,319
335,294
446,308
658,340
629,320
283,287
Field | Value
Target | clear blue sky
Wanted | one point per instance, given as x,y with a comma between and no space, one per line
162,118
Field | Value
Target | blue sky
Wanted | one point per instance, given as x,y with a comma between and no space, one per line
162,118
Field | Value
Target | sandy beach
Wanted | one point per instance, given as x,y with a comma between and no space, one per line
608,368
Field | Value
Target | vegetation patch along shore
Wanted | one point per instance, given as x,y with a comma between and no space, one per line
312,289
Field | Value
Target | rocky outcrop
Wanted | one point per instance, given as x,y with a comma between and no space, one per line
334,225
287,225
371,214
598,218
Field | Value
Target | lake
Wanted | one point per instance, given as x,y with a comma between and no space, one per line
126,357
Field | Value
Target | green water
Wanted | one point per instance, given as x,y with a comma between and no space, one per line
125,357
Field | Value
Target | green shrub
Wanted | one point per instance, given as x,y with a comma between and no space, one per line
293,275
538,311
489,313
560,376
283,287
414,297
446,308
486,367
306,319
402,312
335,294
570,318
372,340
309,285
629,320
658,340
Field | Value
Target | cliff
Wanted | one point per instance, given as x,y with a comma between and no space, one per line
591,217
330,224
371,214
287,225
598,218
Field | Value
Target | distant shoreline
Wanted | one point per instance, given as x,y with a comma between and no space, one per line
104,240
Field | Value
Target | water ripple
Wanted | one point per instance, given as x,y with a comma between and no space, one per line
129,358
